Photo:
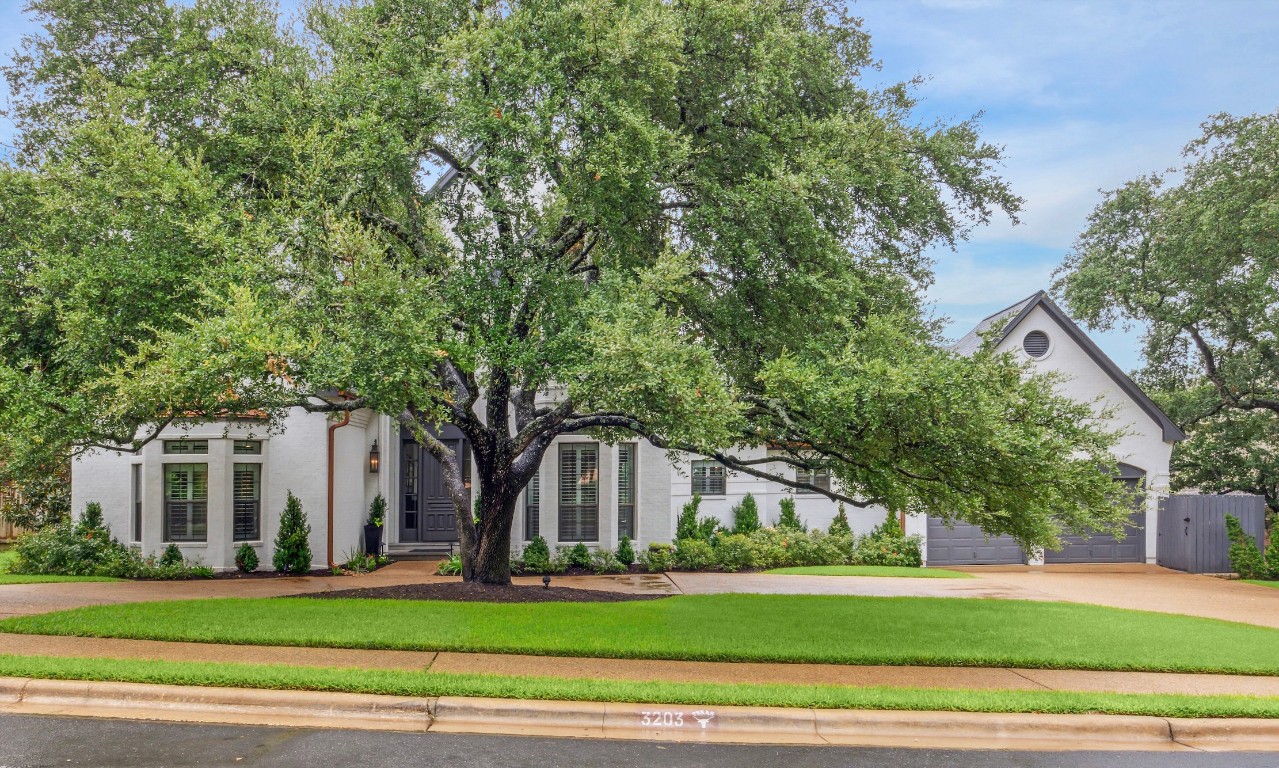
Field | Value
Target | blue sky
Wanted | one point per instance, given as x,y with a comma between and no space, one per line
1082,94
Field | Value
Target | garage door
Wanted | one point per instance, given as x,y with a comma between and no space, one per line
966,544
1103,548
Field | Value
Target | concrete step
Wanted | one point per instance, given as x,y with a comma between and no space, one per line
421,550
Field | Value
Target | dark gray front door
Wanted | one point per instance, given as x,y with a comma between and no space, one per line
426,508
966,544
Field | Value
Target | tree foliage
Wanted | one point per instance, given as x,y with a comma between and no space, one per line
1193,254
689,221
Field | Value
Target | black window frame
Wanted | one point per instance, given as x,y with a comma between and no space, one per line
578,522
246,513
195,511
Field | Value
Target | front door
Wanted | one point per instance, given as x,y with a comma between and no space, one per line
426,508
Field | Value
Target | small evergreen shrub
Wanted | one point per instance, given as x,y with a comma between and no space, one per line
579,556
172,556
788,519
537,556
686,524
625,552
746,516
839,526
246,558
1245,558
91,520
377,511
694,555
293,541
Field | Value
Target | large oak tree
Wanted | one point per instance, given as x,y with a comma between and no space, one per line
1193,254
686,220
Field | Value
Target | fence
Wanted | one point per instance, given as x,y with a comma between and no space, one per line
1192,529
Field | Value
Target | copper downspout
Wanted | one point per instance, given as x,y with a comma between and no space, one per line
346,419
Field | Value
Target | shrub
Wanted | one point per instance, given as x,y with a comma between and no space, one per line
537,556
686,524
839,526
1272,556
292,542
788,519
579,556
246,558
64,549
746,516
658,558
451,566
904,551
604,561
889,529
1245,558
377,511
357,561
694,555
40,500
171,557
625,552
91,520
815,548
734,552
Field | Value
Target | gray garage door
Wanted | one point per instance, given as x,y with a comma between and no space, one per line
965,544
1103,548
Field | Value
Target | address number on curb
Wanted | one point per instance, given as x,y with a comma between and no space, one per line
667,718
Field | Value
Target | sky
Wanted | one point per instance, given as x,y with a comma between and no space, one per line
1081,94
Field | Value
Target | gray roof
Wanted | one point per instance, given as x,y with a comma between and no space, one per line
1011,317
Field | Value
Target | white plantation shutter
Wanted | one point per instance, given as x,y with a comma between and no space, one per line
579,492
247,482
626,490
532,508
186,497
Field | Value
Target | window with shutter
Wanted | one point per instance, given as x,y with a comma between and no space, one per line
708,478
186,447
532,509
817,477
579,492
186,502
247,504
136,484
248,448
626,490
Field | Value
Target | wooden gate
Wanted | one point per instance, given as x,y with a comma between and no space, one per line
1192,529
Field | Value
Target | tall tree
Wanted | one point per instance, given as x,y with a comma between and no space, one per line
688,221
1193,254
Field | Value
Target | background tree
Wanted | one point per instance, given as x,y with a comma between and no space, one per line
688,221
1194,256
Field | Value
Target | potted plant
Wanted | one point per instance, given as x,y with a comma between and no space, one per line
373,529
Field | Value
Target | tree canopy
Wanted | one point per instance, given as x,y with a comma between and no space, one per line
1193,254
690,221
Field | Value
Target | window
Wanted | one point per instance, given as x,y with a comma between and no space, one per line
247,448
708,478
247,509
186,447
817,477
626,490
532,508
1035,344
136,489
579,492
186,502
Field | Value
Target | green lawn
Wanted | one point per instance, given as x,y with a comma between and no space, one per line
6,557
1260,583
785,628
870,570
424,684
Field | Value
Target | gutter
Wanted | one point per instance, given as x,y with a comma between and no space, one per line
346,419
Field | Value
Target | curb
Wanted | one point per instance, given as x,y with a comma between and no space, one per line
653,722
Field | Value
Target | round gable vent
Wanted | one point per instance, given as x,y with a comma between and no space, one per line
1035,344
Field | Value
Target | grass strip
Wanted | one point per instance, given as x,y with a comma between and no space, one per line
404,683
1261,583
739,627
870,570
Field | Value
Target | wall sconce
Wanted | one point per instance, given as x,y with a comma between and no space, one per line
375,459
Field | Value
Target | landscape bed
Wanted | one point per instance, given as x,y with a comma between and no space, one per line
421,684
782,628
894,571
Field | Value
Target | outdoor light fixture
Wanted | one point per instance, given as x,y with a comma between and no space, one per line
546,582
375,459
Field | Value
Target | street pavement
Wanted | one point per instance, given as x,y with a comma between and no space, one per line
32,741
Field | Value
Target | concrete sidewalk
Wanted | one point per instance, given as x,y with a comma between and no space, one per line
967,678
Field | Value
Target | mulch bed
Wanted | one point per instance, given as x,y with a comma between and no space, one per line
465,592
269,574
